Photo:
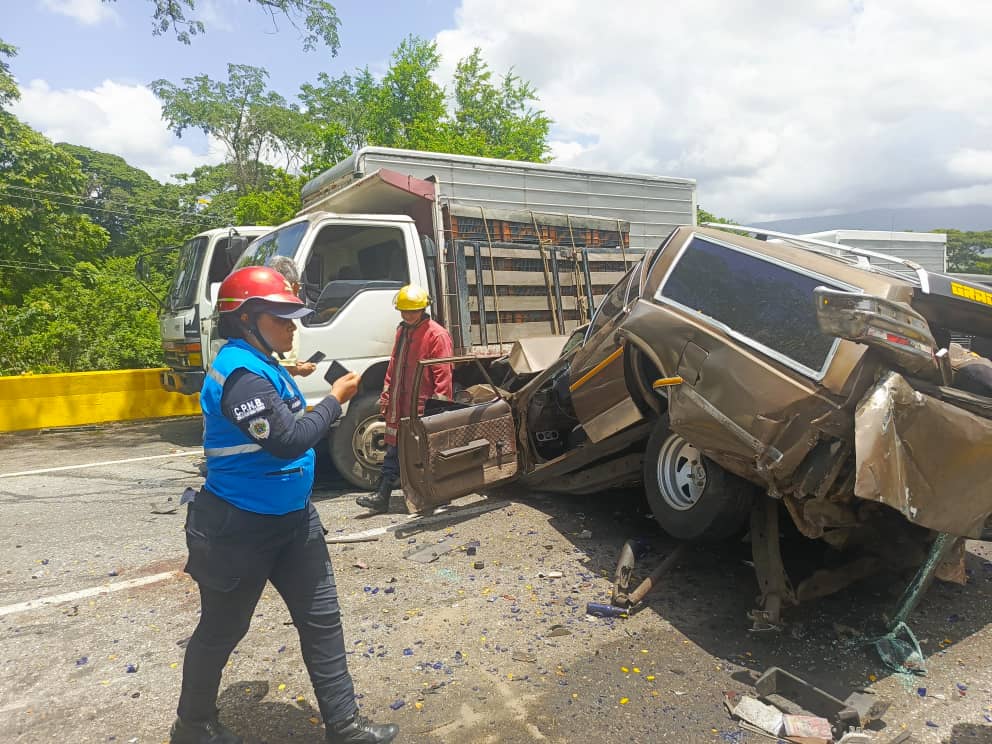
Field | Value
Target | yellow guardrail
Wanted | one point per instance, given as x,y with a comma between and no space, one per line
77,398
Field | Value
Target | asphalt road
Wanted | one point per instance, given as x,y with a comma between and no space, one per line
95,610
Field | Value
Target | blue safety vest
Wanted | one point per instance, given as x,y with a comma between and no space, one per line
238,469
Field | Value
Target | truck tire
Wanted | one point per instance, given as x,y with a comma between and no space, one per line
357,445
692,497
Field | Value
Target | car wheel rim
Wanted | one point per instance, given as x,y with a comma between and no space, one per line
681,473
369,442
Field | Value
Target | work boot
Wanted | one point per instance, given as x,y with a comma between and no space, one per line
202,732
379,502
360,730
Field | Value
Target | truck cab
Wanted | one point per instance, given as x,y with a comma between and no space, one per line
184,320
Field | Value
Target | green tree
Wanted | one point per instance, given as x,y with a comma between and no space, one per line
8,86
320,20
496,120
407,106
136,210
339,111
408,109
702,217
240,112
969,252
94,317
41,231
279,202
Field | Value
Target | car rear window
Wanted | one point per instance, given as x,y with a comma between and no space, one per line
765,302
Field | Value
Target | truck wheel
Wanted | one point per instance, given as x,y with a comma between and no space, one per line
358,443
691,496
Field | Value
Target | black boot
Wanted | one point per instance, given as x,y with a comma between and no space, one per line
202,732
379,502
360,730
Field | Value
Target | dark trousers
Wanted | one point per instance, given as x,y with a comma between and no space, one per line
391,464
231,555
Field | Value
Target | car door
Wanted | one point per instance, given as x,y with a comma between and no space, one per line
453,449
597,381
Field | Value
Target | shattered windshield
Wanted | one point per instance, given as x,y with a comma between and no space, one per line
182,291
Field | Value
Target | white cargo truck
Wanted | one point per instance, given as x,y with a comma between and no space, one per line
184,319
507,250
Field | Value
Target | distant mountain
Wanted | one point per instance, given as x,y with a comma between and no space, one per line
921,219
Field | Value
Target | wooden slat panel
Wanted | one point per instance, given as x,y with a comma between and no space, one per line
536,278
517,302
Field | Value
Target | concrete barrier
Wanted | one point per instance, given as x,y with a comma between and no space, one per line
77,398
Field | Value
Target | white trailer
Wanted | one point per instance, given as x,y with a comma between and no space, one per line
653,205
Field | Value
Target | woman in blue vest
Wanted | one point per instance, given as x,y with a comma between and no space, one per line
253,520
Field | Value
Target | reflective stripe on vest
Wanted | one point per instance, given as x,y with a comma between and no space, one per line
236,450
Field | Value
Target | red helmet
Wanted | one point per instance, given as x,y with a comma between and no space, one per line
263,284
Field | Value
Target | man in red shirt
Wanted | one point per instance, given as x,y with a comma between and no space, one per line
418,337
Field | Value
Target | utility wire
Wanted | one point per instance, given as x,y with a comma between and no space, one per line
61,270
127,204
130,215
150,218
182,217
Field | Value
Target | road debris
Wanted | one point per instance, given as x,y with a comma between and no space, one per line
597,609
767,718
807,729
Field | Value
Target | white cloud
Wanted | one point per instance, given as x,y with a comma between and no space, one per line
777,109
87,12
125,120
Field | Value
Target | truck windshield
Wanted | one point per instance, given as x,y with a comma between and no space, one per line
182,291
281,242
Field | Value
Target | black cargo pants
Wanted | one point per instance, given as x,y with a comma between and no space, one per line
232,553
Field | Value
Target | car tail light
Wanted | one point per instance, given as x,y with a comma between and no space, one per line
893,328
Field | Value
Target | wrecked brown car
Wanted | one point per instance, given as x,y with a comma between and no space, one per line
722,368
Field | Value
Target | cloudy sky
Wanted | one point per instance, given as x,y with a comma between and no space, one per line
777,109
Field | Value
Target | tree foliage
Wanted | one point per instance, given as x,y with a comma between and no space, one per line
137,211
407,108
319,19
241,112
969,252
92,317
41,229
339,113
702,217
493,120
8,86
279,202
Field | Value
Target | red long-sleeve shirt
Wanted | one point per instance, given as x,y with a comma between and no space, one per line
426,340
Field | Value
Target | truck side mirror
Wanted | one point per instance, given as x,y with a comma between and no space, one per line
236,246
141,270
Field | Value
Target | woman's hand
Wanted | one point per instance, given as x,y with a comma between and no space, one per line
304,369
345,387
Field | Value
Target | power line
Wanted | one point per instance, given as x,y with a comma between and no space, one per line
94,271
6,265
130,215
150,218
126,203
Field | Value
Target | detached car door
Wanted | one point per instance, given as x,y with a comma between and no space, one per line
454,449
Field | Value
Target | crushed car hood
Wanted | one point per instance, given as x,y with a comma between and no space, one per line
923,457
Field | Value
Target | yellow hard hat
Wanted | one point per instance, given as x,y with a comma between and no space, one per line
411,297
